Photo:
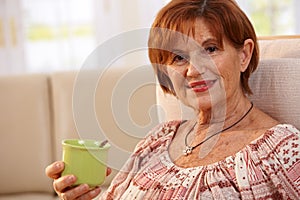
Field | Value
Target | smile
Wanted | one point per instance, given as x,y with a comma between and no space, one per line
201,86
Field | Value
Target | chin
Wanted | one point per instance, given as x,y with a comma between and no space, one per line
205,106
201,105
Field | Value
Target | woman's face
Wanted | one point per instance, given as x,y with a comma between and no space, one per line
202,72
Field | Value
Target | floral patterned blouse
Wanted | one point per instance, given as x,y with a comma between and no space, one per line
267,168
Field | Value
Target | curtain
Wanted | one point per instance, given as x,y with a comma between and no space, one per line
47,35
12,56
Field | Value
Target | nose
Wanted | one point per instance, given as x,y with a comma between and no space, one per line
195,70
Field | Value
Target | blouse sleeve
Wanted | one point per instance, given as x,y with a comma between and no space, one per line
289,155
282,163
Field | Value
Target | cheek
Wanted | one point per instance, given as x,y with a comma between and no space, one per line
230,73
231,83
177,79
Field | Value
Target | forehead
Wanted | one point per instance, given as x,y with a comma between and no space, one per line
203,32
200,34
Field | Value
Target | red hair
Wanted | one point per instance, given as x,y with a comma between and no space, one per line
224,18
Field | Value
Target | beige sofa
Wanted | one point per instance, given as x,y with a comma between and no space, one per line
37,111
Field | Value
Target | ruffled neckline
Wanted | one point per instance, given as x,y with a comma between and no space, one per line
166,159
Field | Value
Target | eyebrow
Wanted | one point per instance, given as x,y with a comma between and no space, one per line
177,51
210,40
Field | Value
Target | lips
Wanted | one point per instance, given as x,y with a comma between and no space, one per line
201,86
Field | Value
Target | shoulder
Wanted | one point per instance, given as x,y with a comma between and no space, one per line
277,153
277,137
287,148
284,135
279,148
286,140
286,128
280,144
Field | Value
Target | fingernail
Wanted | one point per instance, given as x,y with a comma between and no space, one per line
71,179
58,165
95,191
85,187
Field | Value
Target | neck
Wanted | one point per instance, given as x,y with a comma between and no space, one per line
214,130
224,114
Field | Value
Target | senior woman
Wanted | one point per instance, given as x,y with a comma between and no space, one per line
203,52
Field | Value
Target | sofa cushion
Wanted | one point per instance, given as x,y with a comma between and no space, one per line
276,87
64,127
279,47
29,196
25,134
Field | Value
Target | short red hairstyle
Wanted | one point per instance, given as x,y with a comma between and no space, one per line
224,18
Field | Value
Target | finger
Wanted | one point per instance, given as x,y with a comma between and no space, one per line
76,192
90,195
64,182
54,170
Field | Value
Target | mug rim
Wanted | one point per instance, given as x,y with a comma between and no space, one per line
83,146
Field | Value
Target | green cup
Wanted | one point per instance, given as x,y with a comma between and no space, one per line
86,160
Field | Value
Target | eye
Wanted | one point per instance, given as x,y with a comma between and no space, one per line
179,60
211,49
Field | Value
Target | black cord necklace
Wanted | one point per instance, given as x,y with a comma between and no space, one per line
188,149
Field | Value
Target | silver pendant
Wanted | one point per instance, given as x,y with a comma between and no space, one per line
188,150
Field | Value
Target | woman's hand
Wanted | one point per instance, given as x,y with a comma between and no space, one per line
63,184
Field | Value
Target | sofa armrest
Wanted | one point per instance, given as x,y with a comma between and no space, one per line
25,134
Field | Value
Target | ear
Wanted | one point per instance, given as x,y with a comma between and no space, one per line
246,54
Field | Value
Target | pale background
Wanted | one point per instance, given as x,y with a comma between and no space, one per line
38,36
